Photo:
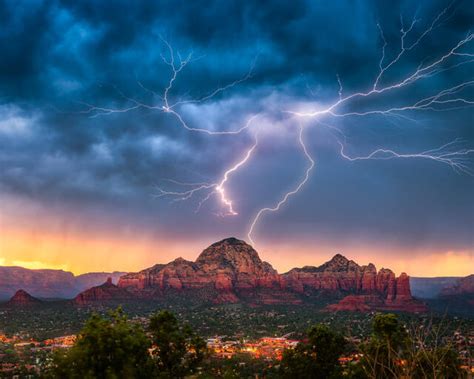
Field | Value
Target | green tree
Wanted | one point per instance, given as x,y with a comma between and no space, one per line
107,347
177,349
318,358
387,328
383,354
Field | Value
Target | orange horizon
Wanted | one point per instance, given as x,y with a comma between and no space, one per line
81,254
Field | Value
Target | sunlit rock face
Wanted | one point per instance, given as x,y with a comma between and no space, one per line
227,265
234,261
234,271
368,288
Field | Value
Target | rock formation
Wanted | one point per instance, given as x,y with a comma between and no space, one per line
357,303
365,287
91,279
232,271
103,293
21,298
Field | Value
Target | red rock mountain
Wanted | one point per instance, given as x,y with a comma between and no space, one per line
390,294
230,267
367,288
105,292
231,270
22,298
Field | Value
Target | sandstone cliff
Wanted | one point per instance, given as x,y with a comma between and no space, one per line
231,268
231,271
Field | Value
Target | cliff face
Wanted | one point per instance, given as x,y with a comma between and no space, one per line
230,267
234,271
141,280
105,292
365,287
338,274
390,294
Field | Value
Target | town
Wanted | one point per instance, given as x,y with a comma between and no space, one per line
23,356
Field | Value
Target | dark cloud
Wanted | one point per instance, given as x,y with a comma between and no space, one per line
58,55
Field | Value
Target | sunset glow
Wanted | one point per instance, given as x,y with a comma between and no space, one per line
356,140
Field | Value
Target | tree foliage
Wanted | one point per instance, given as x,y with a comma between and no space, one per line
107,347
177,349
113,347
318,358
383,354
394,351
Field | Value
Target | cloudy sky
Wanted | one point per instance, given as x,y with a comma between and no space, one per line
87,151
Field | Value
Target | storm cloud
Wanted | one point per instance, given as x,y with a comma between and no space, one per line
59,57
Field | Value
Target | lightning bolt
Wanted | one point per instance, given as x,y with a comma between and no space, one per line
220,188
287,195
421,72
453,154
176,63
443,100
456,159
217,188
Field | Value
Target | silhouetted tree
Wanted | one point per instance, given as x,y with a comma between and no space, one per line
318,358
107,347
177,349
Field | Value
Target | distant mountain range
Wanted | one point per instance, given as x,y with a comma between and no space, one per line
49,283
430,288
230,271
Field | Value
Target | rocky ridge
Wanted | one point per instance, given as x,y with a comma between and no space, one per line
231,271
463,286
